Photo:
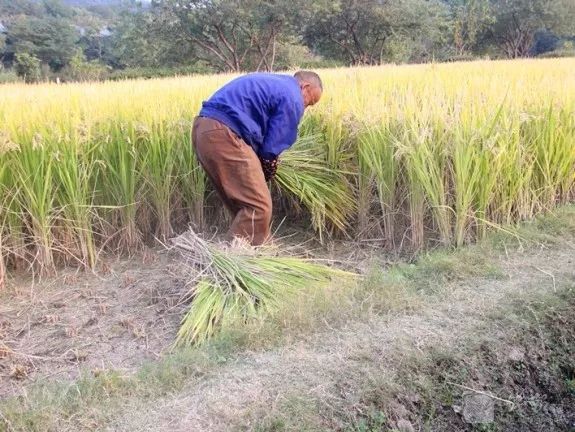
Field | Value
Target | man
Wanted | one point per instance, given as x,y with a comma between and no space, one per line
238,136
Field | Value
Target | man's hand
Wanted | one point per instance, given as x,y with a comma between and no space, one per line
269,166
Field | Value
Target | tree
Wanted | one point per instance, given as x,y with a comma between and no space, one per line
28,67
230,35
357,31
2,45
80,69
97,44
354,31
57,9
470,19
141,39
517,22
10,8
50,39
425,24
545,41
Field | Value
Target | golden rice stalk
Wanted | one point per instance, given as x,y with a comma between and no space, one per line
239,281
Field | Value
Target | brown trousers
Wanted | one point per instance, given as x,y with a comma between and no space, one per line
235,170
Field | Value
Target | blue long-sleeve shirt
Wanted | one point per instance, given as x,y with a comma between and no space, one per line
263,109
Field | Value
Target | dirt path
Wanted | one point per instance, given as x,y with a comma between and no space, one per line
335,367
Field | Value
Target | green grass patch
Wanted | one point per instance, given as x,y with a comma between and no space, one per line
549,229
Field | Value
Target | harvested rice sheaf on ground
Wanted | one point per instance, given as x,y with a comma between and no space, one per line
239,281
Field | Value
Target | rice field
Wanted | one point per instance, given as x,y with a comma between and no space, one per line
401,155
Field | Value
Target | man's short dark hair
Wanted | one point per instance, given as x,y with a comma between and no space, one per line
309,77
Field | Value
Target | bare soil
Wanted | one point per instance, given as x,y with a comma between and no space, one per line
78,322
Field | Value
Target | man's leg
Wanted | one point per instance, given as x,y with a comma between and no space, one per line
235,170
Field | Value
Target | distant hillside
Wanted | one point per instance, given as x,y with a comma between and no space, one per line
92,2
87,3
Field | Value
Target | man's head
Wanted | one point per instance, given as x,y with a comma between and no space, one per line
311,87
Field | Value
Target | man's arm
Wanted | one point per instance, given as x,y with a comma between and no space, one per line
282,129
281,135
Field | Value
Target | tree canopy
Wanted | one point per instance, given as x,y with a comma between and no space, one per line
249,35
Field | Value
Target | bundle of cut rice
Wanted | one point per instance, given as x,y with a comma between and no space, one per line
238,279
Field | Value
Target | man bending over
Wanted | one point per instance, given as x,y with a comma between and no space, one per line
238,136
